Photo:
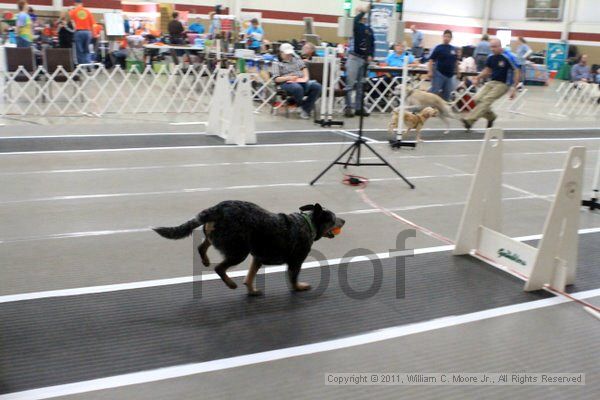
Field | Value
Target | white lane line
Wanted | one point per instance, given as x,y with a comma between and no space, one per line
92,135
235,274
189,123
505,129
355,136
220,164
155,167
237,187
279,354
4,154
219,146
506,185
292,131
70,235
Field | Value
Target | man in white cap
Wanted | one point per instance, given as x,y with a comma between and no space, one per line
291,73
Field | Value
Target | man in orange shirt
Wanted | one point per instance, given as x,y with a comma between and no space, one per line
84,22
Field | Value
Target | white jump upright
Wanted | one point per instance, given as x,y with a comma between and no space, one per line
554,261
401,109
220,105
241,127
232,120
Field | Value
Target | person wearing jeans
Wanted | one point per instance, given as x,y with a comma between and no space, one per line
443,64
84,22
291,73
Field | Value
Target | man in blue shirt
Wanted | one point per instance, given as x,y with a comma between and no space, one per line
505,74
254,34
417,41
581,72
443,64
396,59
482,52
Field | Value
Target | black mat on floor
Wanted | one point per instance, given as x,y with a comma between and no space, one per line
438,134
10,145
60,340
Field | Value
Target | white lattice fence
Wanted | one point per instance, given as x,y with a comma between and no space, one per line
101,91
577,98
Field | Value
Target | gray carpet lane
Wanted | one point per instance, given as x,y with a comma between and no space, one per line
64,143
476,134
60,340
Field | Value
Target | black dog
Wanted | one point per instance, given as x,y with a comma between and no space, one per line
239,228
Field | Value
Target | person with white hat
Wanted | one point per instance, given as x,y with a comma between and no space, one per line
292,74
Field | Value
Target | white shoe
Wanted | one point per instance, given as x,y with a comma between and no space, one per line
304,115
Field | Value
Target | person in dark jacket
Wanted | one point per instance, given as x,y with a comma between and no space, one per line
361,53
65,30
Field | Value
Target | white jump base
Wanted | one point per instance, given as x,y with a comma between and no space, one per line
554,261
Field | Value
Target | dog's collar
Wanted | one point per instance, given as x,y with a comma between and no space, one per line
311,225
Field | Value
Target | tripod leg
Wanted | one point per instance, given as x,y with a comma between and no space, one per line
333,163
354,147
390,166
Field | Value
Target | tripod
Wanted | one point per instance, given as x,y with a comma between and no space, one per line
355,148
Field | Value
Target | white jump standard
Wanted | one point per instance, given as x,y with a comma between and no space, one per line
554,262
232,120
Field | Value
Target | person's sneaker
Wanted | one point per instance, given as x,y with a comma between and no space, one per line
361,113
466,124
304,115
490,122
348,113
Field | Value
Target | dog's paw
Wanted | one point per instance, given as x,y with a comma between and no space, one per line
252,291
301,287
205,261
231,284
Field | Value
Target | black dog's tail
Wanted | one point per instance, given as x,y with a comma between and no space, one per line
181,231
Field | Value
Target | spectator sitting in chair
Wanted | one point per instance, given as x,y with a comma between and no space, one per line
308,51
396,59
291,73
581,72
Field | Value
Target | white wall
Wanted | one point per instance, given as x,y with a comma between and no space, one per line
508,10
328,7
588,11
453,8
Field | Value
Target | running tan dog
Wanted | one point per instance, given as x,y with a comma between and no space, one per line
419,98
412,121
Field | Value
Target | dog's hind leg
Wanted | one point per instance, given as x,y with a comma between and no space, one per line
446,122
228,262
249,281
293,272
208,229
202,250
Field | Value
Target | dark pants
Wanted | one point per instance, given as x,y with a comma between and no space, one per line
82,46
310,89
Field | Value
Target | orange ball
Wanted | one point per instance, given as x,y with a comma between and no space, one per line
336,231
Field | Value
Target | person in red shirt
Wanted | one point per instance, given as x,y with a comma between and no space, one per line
84,22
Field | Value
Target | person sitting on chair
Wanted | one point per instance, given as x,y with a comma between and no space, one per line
291,73
308,51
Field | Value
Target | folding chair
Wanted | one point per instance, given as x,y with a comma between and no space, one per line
20,57
55,58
